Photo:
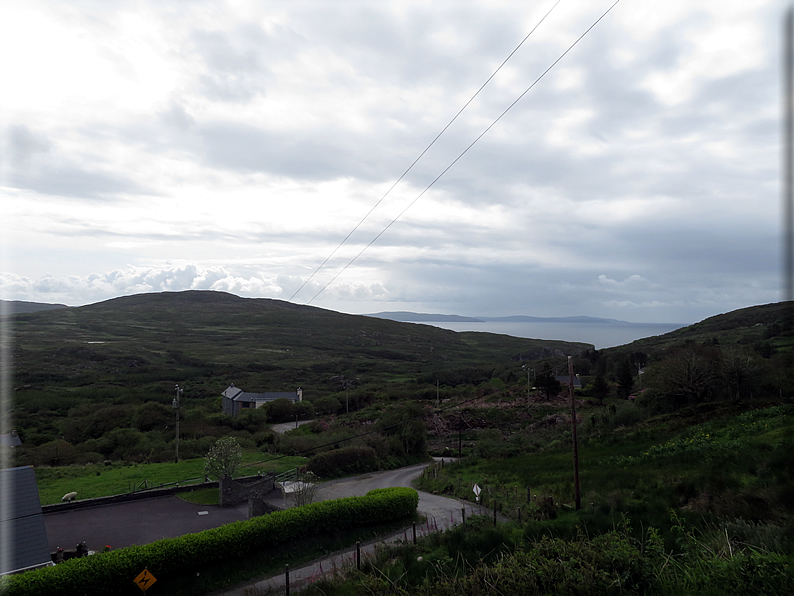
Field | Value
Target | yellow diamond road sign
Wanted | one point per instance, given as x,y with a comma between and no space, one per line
145,580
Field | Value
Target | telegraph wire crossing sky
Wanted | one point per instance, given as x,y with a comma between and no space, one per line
454,161
162,146
410,167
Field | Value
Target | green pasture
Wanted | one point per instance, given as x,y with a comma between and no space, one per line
729,468
96,480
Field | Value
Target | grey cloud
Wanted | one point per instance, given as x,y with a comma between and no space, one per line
238,62
178,117
305,155
38,165
70,180
23,144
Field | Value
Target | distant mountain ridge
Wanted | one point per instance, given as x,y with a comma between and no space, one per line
13,307
415,317
412,317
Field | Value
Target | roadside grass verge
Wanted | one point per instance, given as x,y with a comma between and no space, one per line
736,468
481,559
271,562
202,496
96,480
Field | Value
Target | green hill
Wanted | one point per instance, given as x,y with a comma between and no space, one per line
750,326
209,339
96,382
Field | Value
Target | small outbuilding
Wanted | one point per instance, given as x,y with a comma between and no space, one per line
235,400
10,440
22,532
565,380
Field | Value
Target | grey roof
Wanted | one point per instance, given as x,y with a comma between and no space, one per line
565,380
267,396
232,392
237,394
10,440
21,521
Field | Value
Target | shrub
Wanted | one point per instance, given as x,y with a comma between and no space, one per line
112,572
342,462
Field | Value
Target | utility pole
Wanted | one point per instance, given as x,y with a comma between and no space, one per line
575,442
175,404
460,437
529,385
788,170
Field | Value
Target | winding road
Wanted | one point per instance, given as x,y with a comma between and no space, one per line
441,513
142,522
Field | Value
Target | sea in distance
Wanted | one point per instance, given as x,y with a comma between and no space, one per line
601,335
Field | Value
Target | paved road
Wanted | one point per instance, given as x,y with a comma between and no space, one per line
142,522
135,522
431,506
283,427
441,513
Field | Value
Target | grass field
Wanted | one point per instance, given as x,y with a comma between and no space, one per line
733,469
99,480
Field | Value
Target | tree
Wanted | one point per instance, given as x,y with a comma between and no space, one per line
740,372
223,458
625,376
305,488
281,410
405,428
600,389
689,375
545,381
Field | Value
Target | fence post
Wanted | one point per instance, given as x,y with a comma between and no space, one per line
519,515
358,555
414,532
286,580
463,515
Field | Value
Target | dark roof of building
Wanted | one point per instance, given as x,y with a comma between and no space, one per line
22,522
237,394
565,379
10,440
231,391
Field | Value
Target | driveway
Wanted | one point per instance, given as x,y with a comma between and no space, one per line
135,522
145,521
441,513
283,427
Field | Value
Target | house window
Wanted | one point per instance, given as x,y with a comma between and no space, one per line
246,404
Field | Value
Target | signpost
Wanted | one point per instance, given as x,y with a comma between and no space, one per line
145,580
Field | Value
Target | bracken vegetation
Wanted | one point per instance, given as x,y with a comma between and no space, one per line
687,484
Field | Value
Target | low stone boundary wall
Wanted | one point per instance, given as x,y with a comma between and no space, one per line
151,493
238,490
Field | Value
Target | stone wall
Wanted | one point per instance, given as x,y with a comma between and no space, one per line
233,492
151,493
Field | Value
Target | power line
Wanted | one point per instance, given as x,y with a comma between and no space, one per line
466,150
426,149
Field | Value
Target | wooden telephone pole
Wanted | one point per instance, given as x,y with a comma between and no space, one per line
575,442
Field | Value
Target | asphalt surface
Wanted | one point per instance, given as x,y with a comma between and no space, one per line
146,521
283,427
135,522
141,522
441,513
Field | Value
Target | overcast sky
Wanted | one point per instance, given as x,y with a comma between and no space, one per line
171,145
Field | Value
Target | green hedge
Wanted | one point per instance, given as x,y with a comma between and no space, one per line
113,572
343,462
